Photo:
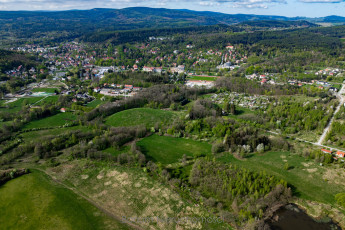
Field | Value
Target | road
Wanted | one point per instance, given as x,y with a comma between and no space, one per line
341,98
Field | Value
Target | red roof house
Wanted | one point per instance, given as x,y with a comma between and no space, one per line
340,154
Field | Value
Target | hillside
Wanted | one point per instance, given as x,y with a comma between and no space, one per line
59,25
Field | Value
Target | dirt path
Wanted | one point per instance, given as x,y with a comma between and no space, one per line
79,193
341,102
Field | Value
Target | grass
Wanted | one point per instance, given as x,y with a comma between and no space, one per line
169,149
34,202
140,116
95,103
46,90
130,192
115,152
52,121
241,111
48,100
34,135
304,176
197,78
17,105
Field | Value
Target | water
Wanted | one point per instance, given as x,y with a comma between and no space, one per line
292,218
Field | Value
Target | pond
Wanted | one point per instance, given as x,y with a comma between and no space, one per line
291,217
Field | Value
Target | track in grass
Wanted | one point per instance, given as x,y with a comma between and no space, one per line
34,202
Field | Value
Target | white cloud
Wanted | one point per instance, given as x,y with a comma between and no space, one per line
89,4
321,1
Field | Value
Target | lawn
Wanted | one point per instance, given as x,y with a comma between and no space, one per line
34,202
52,121
95,103
305,176
115,152
17,105
46,90
48,100
140,116
169,149
198,78
34,135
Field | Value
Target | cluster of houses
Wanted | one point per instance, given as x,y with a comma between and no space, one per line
336,154
263,78
329,72
115,90
199,83
251,102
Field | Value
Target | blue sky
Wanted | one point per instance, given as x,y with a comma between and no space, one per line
309,8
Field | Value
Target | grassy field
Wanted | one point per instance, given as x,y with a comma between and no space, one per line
130,192
34,202
95,103
48,100
17,105
46,90
116,152
34,135
141,116
53,121
308,179
169,149
198,78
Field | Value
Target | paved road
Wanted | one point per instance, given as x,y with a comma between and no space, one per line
341,98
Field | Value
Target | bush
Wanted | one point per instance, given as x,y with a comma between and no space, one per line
218,148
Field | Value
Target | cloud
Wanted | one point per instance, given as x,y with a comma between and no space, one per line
89,4
321,1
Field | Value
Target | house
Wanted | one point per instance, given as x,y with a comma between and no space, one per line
326,151
340,154
62,110
97,90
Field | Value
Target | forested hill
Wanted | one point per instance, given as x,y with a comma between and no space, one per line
31,24
10,60
276,24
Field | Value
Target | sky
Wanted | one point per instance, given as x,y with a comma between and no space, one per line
291,8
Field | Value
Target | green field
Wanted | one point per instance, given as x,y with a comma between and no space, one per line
141,116
53,121
32,201
46,90
17,105
169,149
305,176
48,100
95,103
34,135
197,78
115,152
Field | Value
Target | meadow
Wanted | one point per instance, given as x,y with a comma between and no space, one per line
52,121
200,78
140,116
169,150
46,90
33,201
95,103
17,105
308,179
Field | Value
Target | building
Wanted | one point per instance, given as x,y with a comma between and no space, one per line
326,151
340,154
